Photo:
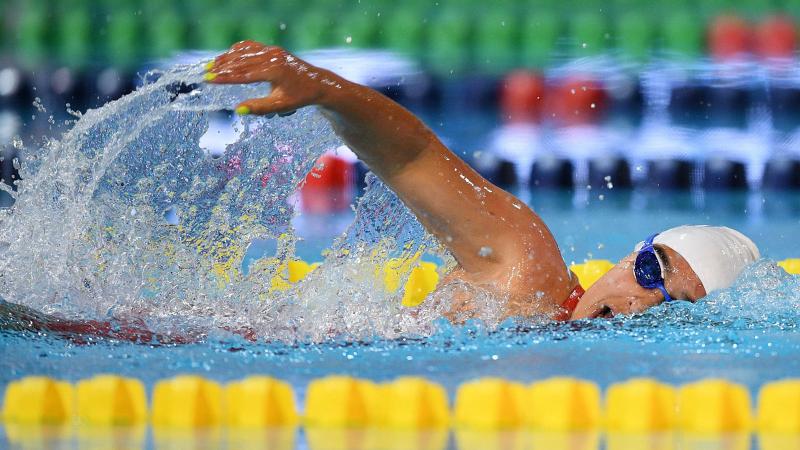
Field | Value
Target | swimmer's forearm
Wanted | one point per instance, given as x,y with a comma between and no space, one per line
386,136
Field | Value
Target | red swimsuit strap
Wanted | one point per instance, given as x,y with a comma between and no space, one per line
568,307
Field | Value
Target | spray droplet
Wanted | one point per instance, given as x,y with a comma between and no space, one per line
37,103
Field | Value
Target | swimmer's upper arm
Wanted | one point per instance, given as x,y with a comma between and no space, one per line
492,234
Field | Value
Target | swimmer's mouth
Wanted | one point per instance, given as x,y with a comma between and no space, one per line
605,312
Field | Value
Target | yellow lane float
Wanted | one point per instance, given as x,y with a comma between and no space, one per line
714,406
414,402
38,401
791,265
405,405
339,401
490,404
640,405
111,400
591,271
260,401
187,401
563,404
779,407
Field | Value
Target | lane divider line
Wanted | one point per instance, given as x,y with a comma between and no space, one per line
561,404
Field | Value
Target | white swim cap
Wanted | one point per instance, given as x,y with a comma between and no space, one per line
716,254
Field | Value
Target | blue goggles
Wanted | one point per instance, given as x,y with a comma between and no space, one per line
647,269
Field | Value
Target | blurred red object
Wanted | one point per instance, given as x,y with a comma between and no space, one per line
328,187
576,101
776,37
729,37
522,96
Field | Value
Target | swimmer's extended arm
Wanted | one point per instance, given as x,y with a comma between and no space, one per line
493,235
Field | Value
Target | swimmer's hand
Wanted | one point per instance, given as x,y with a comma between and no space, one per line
295,83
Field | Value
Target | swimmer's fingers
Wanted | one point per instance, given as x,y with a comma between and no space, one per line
253,62
249,73
237,50
246,45
276,102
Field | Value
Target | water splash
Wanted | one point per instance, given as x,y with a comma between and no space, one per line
87,237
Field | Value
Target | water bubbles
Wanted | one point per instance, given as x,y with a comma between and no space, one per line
37,103
348,39
17,143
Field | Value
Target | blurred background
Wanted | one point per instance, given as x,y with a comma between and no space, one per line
588,96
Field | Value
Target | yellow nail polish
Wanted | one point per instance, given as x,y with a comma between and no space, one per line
242,110
210,76
209,65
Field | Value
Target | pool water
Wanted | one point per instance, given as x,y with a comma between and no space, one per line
747,334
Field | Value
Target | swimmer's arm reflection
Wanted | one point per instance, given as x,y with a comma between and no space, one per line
497,240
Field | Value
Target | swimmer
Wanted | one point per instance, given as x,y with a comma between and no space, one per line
499,243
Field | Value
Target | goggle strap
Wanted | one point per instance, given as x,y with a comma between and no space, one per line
667,298
660,264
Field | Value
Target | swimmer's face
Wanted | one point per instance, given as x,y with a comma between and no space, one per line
617,292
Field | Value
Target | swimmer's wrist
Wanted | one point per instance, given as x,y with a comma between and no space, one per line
332,90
